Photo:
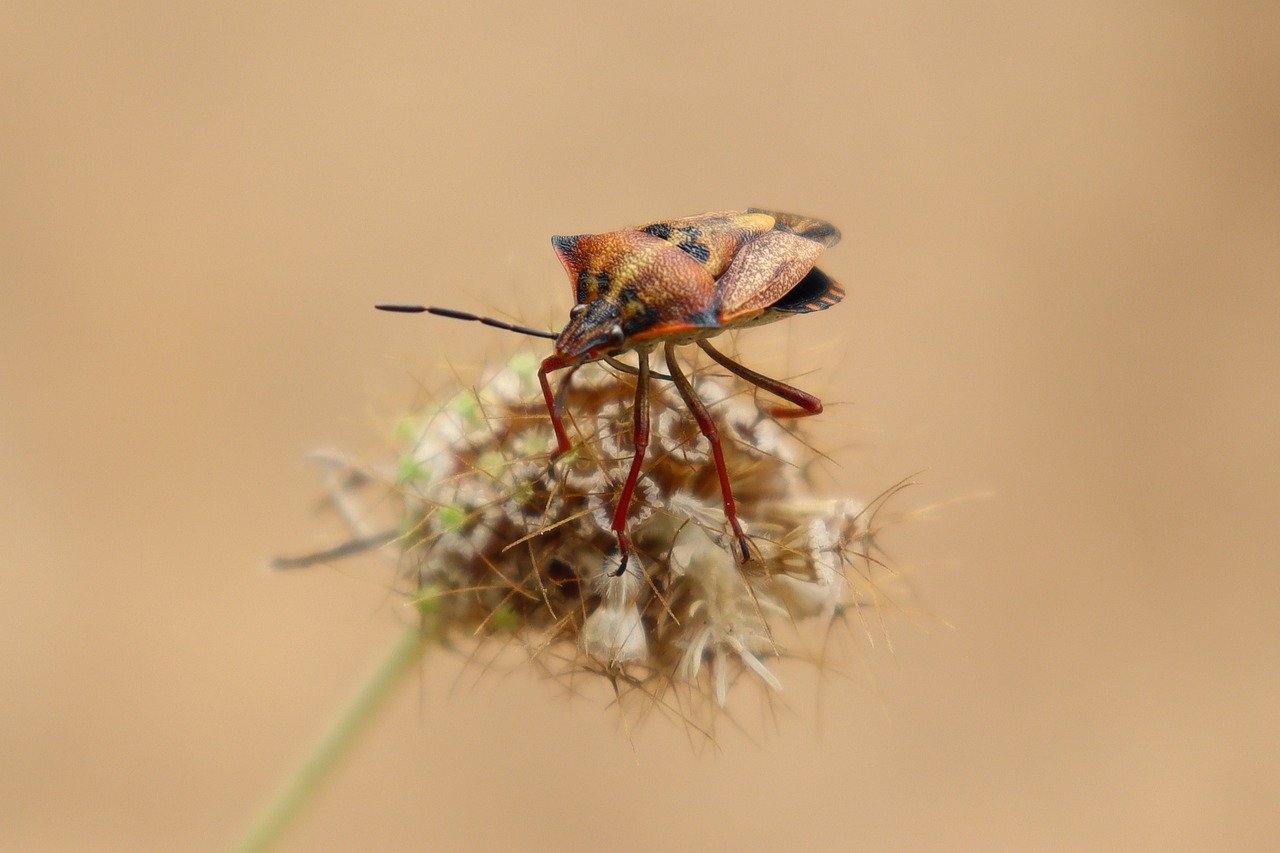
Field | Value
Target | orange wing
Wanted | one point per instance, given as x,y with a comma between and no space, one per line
698,272
712,239
763,272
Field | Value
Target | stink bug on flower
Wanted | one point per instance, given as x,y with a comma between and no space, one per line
676,282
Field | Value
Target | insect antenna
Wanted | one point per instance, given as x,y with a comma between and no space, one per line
463,315
510,327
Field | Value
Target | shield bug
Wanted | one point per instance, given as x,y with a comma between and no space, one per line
671,283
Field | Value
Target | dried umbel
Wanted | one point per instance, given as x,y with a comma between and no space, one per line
494,539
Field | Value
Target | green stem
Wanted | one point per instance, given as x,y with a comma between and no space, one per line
299,789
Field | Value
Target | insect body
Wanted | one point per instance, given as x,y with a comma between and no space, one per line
677,282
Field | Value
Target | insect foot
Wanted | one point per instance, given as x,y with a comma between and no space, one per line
624,557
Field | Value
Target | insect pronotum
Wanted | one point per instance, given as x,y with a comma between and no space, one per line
677,282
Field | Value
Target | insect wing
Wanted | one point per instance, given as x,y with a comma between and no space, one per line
816,230
712,239
763,272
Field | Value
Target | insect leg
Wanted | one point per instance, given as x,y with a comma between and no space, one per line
562,393
623,367
554,409
708,427
640,441
807,403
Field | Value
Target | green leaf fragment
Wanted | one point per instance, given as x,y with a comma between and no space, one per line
523,364
504,619
452,518
466,404
406,430
410,470
428,600
491,463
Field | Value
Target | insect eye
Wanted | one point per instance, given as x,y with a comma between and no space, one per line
616,335
577,311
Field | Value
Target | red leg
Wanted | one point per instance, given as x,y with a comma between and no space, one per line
554,405
708,427
807,403
640,440
562,393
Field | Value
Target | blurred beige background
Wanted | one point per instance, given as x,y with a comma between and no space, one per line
1062,243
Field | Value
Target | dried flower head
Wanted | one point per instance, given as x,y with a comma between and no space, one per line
493,539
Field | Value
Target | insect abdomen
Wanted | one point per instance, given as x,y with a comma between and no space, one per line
817,291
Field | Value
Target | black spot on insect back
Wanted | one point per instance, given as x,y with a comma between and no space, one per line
629,302
592,284
583,285
636,315
697,250
661,230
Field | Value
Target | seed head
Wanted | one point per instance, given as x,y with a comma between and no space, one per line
494,539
